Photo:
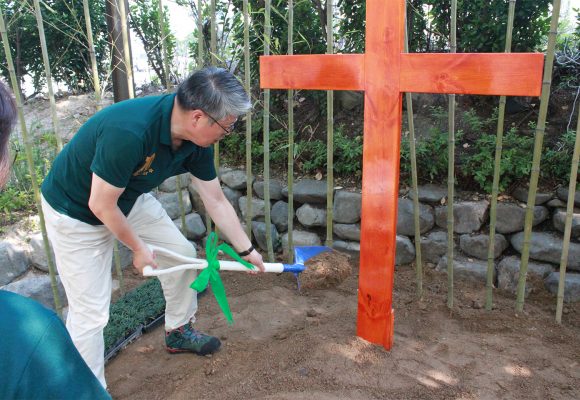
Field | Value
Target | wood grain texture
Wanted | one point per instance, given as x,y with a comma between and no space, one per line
317,72
517,74
384,72
380,183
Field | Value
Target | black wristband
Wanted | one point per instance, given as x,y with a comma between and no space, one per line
247,252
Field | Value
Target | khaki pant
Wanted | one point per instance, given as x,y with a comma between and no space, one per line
84,254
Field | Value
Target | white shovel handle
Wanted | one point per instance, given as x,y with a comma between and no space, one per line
195,263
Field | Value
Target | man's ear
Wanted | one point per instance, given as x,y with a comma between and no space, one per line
195,116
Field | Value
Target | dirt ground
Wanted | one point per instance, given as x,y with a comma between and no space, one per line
285,345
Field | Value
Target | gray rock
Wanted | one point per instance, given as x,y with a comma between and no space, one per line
279,215
233,197
258,206
477,245
562,194
405,222
347,231
275,189
556,203
508,271
571,286
308,191
349,247
559,221
311,216
405,251
474,270
430,193
300,238
198,205
170,184
13,262
468,216
259,231
38,254
433,246
170,202
194,226
347,206
349,99
235,179
37,287
511,217
548,247
521,194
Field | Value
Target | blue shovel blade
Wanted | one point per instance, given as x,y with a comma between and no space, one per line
303,254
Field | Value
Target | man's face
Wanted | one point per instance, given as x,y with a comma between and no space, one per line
210,131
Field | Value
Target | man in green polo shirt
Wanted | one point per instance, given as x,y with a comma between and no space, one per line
98,189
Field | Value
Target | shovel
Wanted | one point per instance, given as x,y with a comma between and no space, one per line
301,255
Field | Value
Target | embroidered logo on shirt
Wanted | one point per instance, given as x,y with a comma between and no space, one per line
146,168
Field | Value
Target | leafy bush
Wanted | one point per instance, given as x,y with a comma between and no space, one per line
516,160
18,194
557,159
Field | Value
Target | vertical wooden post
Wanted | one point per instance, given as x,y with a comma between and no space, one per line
329,130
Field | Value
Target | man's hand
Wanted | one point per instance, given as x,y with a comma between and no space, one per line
143,257
255,259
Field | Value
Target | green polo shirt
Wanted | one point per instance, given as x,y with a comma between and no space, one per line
127,144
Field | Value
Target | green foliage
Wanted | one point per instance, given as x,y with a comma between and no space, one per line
309,153
137,308
557,159
516,161
66,41
18,194
144,20
431,153
481,25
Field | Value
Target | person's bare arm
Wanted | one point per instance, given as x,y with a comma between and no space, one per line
226,219
103,203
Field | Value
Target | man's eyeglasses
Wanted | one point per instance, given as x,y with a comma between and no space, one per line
227,130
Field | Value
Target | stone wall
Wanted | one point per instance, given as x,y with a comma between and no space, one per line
24,263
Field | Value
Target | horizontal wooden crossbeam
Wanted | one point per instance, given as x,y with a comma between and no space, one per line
500,74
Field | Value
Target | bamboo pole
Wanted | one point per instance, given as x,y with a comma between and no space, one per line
451,167
201,63
329,130
126,47
167,89
214,61
95,69
29,158
267,34
248,83
415,189
199,34
40,24
166,74
496,171
290,140
538,142
568,225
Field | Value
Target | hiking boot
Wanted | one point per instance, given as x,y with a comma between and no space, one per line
187,339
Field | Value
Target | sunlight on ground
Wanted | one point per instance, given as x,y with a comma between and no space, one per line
518,370
435,378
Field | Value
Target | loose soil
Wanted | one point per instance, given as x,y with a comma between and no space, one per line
289,345
326,270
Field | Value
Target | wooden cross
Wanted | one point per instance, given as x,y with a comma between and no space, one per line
384,72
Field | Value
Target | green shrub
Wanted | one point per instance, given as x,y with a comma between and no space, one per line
516,160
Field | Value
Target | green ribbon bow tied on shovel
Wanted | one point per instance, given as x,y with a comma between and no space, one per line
211,275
